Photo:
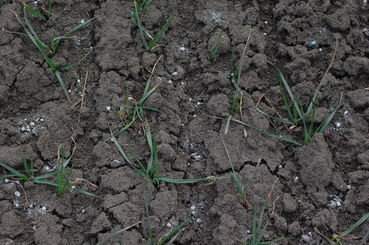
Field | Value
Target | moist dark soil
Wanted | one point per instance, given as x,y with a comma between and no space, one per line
323,186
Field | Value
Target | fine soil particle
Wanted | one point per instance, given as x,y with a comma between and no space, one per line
323,185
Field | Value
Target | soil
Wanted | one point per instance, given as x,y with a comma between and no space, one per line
323,185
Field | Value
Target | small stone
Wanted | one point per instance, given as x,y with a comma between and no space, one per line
17,194
320,49
266,22
108,108
44,209
31,124
182,48
169,225
348,187
313,43
115,163
338,124
175,73
198,220
170,81
193,207
6,180
306,238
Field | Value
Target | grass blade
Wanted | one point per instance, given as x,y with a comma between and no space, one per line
237,182
160,33
140,27
274,118
280,137
84,192
215,49
328,119
174,232
117,233
68,67
150,108
56,41
35,13
45,182
188,181
15,172
121,151
356,225
62,84
127,126
44,176
289,91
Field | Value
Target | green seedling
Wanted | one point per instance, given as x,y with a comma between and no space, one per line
168,238
150,169
337,239
48,52
259,226
237,182
29,173
45,13
149,45
297,115
215,50
63,181
238,97
117,234
133,110
142,5
259,223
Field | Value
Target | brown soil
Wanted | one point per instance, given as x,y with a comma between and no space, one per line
323,185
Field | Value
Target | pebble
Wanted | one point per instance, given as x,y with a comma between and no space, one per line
306,238
182,48
44,209
115,163
198,220
17,194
